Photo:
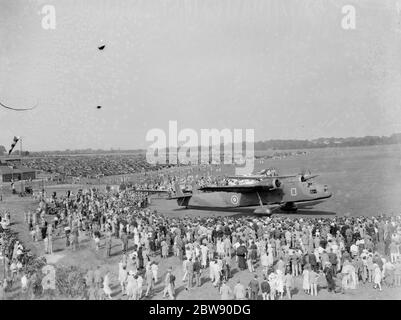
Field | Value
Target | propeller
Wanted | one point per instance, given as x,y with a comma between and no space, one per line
307,174
18,109
262,172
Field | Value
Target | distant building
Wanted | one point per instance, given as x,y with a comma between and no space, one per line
12,170
10,161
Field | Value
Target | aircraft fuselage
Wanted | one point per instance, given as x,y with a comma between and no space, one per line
291,192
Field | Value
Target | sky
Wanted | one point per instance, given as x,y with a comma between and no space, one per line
285,68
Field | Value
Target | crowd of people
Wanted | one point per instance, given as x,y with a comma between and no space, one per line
90,166
279,254
187,178
13,255
337,253
99,165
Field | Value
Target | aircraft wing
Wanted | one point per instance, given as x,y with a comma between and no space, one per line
238,188
246,177
261,177
152,191
310,177
185,195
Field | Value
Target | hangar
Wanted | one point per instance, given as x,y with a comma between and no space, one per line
12,170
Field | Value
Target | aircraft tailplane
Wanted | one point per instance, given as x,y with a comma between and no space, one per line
178,191
195,188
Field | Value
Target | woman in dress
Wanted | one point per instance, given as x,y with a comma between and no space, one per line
264,261
164,249
241,254
370,267
288,282
254,253
377,276
364,272
188,251
122,276
211,250
313,277
3,285
155,268
212,267
280,283
305,283
38,235
136,237
272,279
219,248
225,291
352,277
397,272
149,280
106,286
270,250
92,293
131,285
132,262
249,260
204,252
139,281
273,247
389,273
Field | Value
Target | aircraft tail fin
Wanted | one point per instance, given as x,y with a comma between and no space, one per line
195,188
178,191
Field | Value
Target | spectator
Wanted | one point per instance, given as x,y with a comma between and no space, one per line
306,284
197,272
225,291
254,288
169,285
239,291
265,288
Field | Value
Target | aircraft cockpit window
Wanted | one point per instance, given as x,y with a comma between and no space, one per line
313,191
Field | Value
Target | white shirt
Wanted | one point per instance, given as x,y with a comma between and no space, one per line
354,248
24,281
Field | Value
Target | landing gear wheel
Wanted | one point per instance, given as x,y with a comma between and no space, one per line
290,207
264,211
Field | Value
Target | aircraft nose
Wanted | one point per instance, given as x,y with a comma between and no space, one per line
326,190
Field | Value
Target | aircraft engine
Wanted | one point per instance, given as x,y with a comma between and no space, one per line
274,184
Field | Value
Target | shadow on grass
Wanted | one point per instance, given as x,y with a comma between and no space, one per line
249,211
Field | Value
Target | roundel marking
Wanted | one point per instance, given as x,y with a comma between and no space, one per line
234,199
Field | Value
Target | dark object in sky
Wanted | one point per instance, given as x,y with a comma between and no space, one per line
99,107
101,47
18,109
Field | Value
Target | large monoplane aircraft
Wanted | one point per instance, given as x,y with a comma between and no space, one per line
266,190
